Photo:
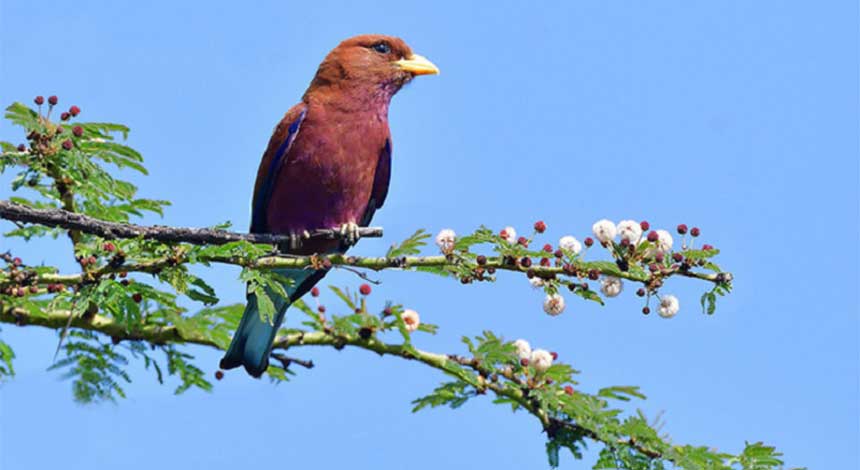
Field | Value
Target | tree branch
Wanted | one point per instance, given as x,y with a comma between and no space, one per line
196,236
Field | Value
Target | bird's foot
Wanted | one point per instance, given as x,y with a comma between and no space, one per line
293,242
349,233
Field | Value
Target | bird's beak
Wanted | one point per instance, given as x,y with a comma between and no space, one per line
417,65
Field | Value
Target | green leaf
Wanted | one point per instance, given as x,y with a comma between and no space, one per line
410,246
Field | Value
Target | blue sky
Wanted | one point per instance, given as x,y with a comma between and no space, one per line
739,117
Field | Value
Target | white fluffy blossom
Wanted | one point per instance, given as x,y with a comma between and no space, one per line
536,282
445,240
411,319
510,234
604,230
611,286
662,245
524,349
629,230
668,306
553,304
541,360
569,243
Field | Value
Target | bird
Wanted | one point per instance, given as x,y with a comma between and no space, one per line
326,166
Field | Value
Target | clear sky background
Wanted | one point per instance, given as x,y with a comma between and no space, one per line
739,117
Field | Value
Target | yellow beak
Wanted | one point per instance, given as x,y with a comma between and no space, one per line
418,65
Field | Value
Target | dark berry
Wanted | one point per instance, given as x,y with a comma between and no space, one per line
547,248
569,269
625,242
646,310
682,229
659,257
67,144
589,241
640,292
707,247
623,264
678,257
365,333
644,225
52,100
554,355
78,131
481,259
653,267
530,273
653,236
22,147
695,231
219,374
40,100
315,291
321,309
491,270
123,274
594,274
540,226
523,241
526,262
387,311
65,116
545,262
364,289
524,362
74,110
558,253
549,381
16,261
137,297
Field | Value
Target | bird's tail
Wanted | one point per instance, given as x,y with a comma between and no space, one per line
252,342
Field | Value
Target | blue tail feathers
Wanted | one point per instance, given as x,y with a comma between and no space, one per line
252,342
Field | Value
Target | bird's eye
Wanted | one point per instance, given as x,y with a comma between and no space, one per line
381,47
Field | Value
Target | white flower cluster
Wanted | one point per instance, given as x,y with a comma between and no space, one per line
411,319
571,244
604,230
445,241
611,286
540,359
553,304
662,245
630,230
669,306
509,234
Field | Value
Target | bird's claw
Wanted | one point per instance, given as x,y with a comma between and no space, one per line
349,233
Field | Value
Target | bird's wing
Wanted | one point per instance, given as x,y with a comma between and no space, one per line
380,183
276,155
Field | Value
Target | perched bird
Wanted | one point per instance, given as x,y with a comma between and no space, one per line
327,165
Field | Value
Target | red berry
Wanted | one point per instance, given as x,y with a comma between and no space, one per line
34,289
640,292
219,374
659,257
652,236
137,297
568,389
594,274
559,254
545,262
682,229
91,260
52,100
65,116
523,241
524,362
40,100
540,226
646,310
67,144
481,259
20,292
525,261
16,261
695,231
707,247
625,242
315,291
109,247
78,131
123,274
364,289
74,110
589,241
678,257
653,268
554,355
504,234
547,248
644,225
321,309
22,147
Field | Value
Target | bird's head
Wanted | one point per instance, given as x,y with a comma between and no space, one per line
372,64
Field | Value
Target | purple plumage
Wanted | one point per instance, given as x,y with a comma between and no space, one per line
327,165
